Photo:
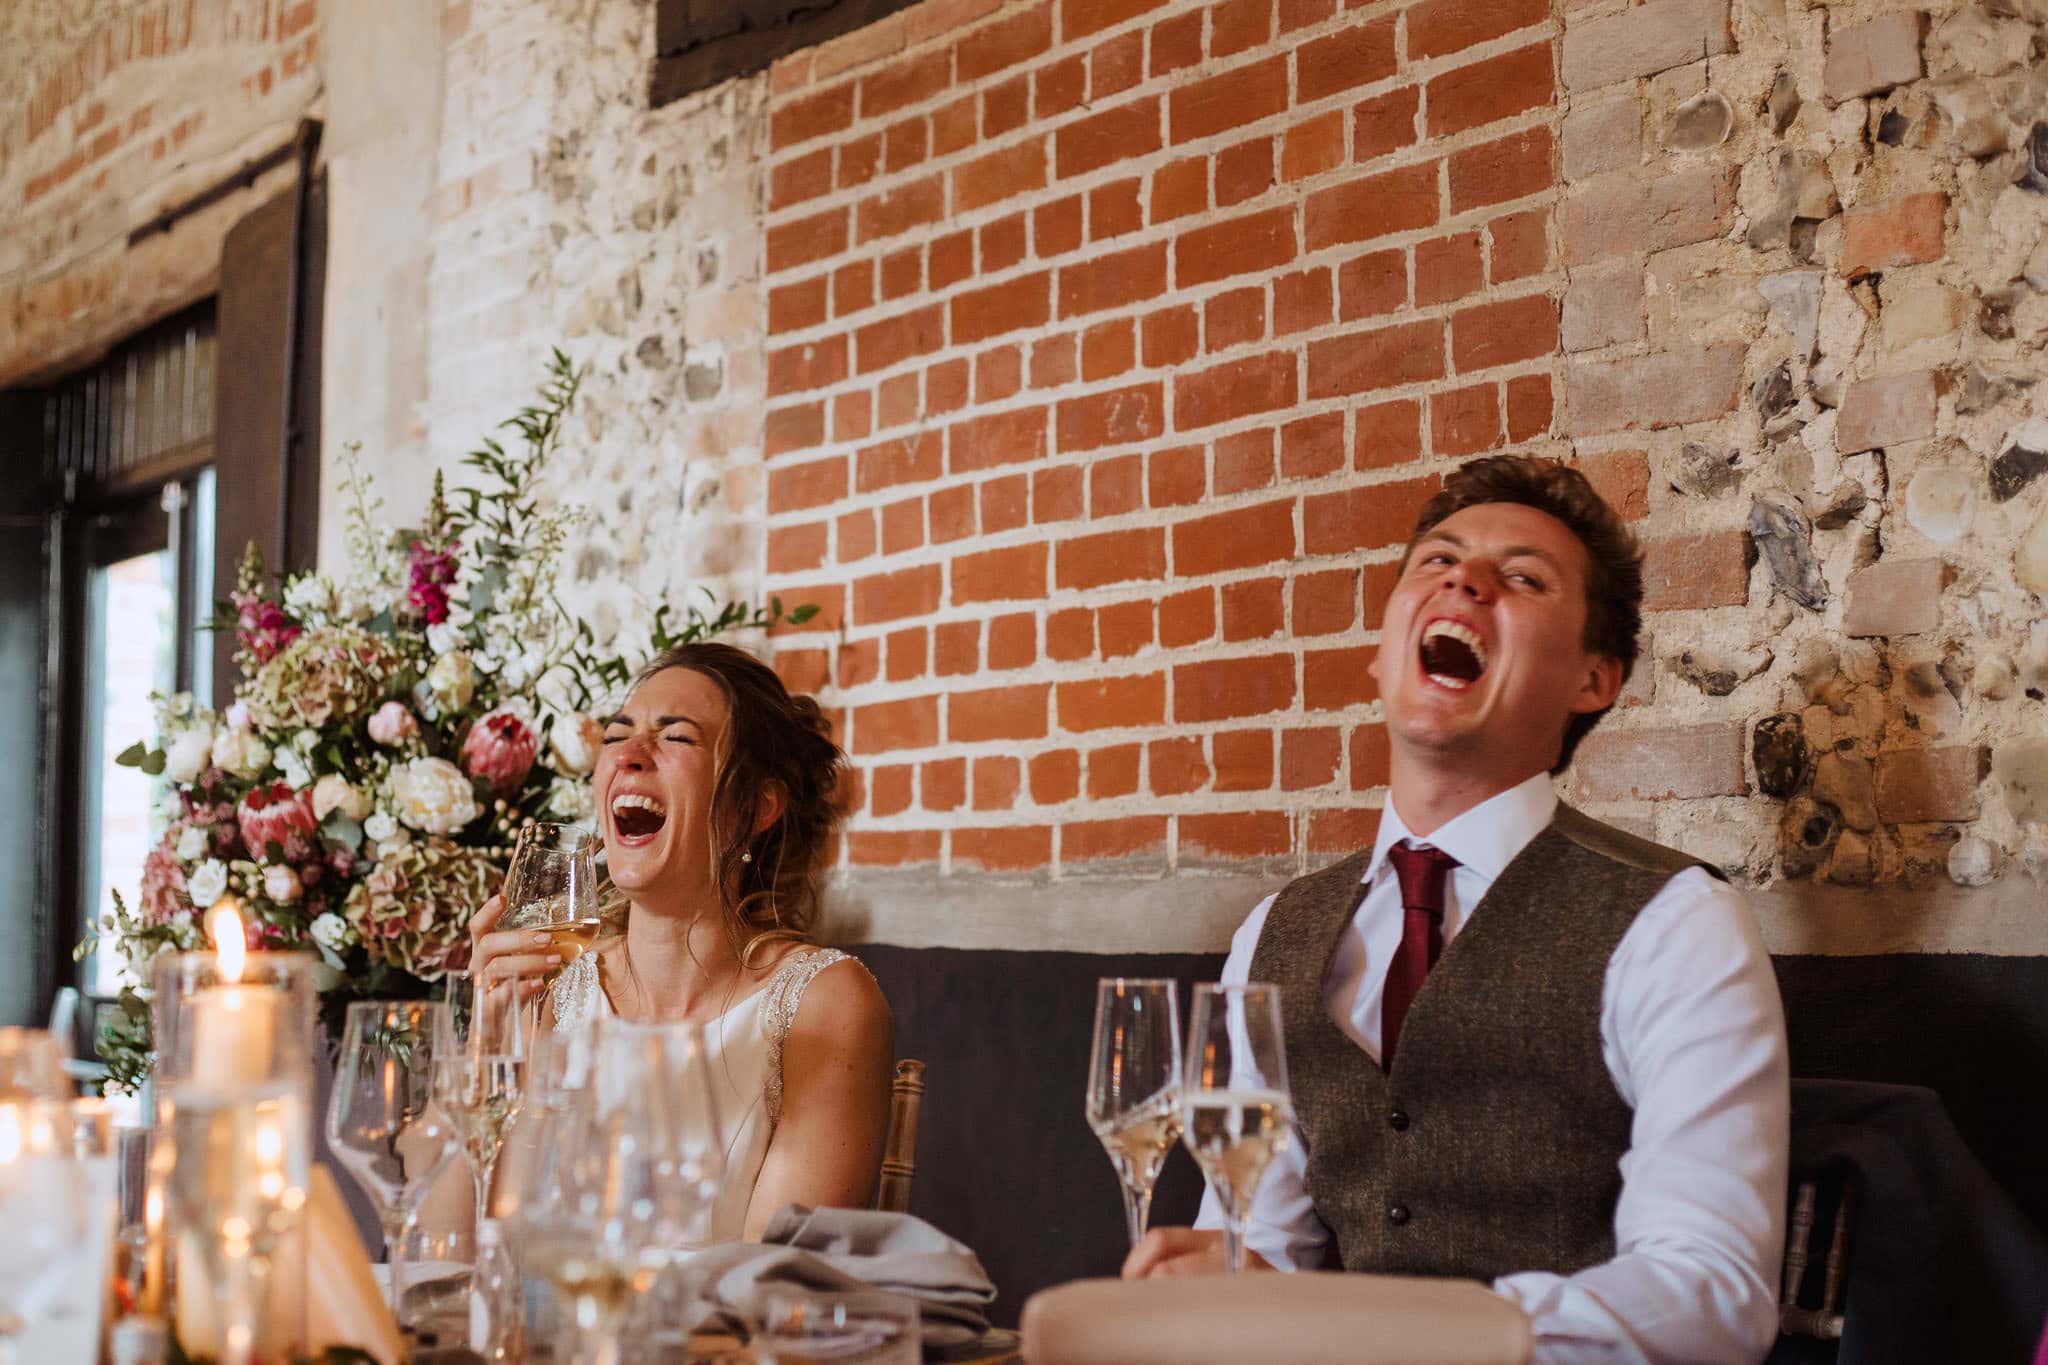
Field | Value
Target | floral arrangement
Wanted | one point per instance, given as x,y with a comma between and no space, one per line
393,729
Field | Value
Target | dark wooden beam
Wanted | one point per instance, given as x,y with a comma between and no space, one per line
701,43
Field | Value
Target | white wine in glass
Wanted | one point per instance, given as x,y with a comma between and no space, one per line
1235,1101
479,1061
1134,1085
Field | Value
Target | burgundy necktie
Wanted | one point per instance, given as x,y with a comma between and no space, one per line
1422,872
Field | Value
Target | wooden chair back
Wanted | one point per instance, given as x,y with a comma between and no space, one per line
899,1151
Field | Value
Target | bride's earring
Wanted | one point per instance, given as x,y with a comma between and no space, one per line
746,857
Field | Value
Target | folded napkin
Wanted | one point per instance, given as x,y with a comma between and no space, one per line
839,1250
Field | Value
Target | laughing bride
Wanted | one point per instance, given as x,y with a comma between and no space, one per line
715,792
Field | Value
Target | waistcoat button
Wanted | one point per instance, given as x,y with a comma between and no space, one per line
1398,1120
1397,1214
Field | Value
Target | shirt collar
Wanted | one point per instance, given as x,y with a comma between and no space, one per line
1485,838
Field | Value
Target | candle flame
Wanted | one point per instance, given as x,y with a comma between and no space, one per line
230,946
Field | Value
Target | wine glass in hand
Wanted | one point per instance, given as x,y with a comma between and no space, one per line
381,1120
1234,1101
1134,1085
479,1069
551,886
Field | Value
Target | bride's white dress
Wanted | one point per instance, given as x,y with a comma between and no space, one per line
745,1045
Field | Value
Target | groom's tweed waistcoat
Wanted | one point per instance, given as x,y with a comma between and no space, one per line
1493,1145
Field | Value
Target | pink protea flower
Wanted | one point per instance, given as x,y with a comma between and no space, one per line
429,575
499,749
278,815
261,626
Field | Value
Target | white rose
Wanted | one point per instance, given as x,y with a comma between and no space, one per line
207,882
181,705
188,753
575,740
241,753
444,637
281,884
432,794
191,843
330,931
332,793
452,680
293,765
382,829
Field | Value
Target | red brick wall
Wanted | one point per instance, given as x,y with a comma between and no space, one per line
104,122
1112,346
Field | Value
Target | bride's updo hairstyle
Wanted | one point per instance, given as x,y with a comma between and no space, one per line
772,740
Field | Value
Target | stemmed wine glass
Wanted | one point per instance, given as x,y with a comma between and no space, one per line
632,1168
479,1065
1235,1101
1134,1085
551,886
381,1120
43,1186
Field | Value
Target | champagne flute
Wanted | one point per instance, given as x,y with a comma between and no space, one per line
1134,1085
1235,1102
479,1066
551,886
381,1120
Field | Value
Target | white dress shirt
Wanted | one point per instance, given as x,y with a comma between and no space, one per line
1693,1035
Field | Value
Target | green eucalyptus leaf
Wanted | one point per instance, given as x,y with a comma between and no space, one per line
132,756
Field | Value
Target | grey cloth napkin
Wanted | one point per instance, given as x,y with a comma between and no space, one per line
836,1250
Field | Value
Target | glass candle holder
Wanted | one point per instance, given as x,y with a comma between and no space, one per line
234,1103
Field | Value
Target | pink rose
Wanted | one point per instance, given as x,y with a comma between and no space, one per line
278,815
499,749
393,724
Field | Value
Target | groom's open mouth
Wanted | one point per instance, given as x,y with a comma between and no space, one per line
1452,654
636,816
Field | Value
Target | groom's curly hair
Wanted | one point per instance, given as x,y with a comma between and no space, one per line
774,741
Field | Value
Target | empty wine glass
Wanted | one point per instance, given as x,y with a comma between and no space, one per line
479,1064
1235,1102
551,886
631,1167
381,1120
1134,1085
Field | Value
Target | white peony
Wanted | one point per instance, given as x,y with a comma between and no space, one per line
330,931
281,884
241,752
452,680
433,795
191,843
188,753
575,740
207,882
332,793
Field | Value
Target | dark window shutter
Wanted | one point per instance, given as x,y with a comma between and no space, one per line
267,420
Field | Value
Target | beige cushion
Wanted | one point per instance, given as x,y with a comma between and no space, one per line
1302,1319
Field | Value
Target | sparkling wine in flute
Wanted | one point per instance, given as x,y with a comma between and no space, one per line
1234,1135
570,939
593,1279
480,1095
1139,1140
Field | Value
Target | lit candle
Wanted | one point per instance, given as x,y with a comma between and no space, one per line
153,1250
234,1027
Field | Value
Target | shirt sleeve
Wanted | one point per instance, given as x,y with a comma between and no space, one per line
1693,1033
1282,1226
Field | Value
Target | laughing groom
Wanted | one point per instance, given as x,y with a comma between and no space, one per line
1525,1047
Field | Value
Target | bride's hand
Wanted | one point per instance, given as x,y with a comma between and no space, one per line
501,953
